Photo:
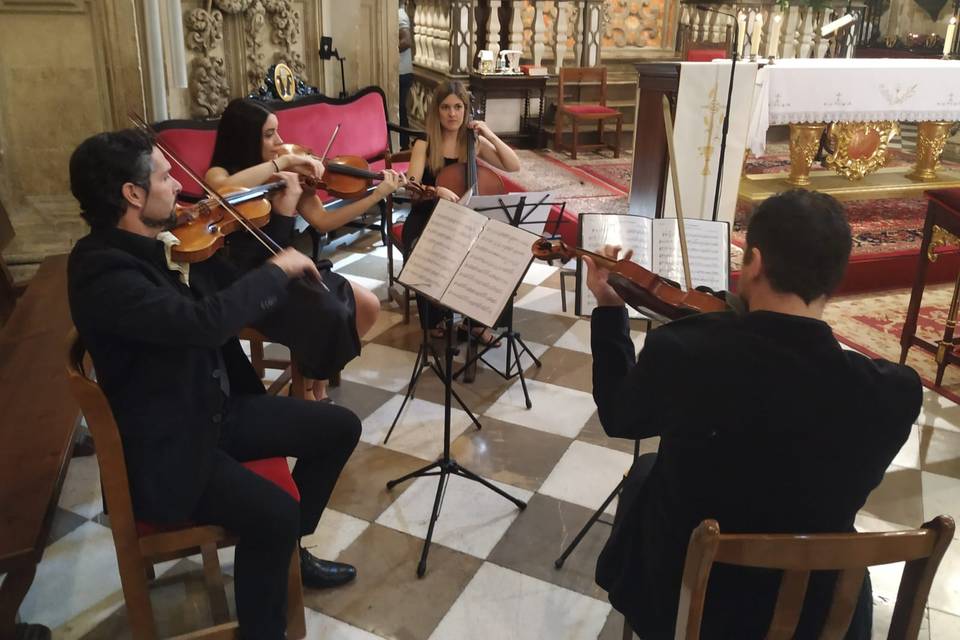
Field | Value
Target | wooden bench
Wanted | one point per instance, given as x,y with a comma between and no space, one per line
38,417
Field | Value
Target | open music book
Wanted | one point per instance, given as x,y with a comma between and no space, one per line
656,246
468,262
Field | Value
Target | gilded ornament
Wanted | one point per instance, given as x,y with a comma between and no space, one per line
931,139
940,238
858,148
804,143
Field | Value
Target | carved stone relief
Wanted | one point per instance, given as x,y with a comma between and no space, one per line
209,88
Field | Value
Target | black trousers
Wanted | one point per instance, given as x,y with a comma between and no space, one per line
265,519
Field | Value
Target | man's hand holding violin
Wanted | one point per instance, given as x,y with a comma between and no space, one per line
597,277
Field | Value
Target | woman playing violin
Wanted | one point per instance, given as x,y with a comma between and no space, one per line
247,154
447,128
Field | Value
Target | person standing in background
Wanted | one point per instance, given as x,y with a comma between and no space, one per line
406,71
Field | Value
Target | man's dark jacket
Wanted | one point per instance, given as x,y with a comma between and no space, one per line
166,356
767,425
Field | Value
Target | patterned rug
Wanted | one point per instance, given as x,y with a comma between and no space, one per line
878,226
872,323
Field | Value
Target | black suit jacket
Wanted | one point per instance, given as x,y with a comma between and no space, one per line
166,356
766,425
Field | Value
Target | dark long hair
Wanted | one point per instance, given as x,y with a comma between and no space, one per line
239,135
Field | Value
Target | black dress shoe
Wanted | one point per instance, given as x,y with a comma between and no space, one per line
323,574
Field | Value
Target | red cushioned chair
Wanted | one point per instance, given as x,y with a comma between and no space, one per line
692,50
597,112
141,545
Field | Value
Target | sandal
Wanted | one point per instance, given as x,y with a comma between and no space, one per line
490,342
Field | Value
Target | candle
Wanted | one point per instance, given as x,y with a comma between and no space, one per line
741,32
757,34
774,37
951,32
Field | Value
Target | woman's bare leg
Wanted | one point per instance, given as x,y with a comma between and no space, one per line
368,308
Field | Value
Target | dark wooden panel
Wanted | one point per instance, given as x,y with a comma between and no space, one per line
647,186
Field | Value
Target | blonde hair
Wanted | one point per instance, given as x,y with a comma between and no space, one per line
435,130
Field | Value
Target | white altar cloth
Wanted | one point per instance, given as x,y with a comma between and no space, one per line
853,90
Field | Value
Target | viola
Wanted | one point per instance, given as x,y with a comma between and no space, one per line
640,288
201,229
347,176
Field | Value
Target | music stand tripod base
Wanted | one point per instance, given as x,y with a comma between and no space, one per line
446,465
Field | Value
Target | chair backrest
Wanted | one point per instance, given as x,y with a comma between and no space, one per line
797,555
698,50
193,142
106,436
581,75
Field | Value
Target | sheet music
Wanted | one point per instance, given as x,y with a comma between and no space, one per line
599,229
444,244
708,246
490,272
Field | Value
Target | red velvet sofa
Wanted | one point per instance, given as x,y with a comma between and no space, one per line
310,121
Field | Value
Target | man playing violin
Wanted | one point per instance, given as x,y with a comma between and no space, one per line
766,424
189,406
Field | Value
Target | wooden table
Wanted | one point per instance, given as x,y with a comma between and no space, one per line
528,135
942,228
37,420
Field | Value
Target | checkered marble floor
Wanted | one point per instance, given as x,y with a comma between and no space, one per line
490,571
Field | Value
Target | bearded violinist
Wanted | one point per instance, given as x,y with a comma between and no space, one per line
188,404
766,424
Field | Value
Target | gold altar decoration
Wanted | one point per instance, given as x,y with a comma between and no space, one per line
804,143
931,138
858,148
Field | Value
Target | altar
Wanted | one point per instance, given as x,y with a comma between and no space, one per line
862,102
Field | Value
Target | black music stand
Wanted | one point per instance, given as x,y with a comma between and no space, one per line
427,358
558,563
446,465
515,215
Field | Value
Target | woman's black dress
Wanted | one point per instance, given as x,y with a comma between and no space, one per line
319,326
413,226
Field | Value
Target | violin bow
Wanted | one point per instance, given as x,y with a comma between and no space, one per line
251,228
333,137
674,179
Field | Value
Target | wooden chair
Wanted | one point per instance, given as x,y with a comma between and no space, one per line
797,555
694,50
138,551
597,112
291,372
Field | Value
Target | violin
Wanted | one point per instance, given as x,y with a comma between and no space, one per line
640,288
201,229
345,176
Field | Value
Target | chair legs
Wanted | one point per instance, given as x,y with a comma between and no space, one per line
296,623
558,133
576,142
616,143
213,577
136,595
